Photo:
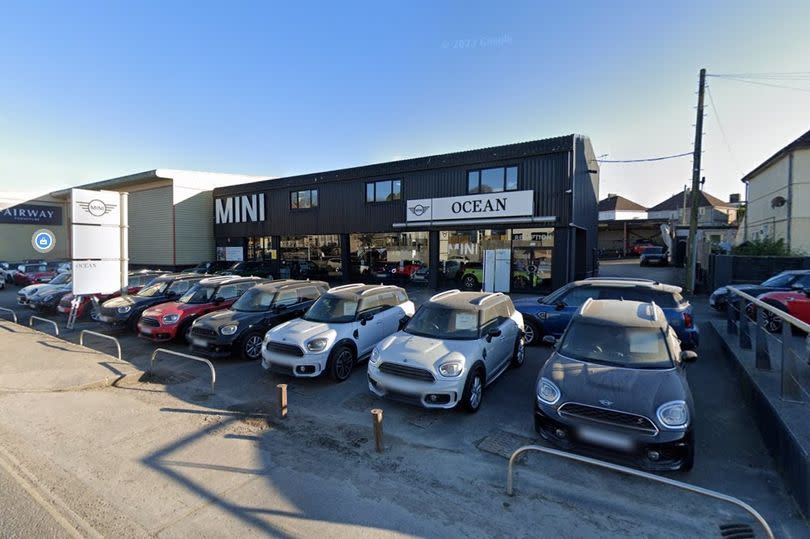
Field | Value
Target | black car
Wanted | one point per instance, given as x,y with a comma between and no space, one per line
242,327
47,298
787,280
615,386
654,255
247,268
125,311
210,267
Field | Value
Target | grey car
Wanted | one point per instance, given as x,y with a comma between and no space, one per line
615,386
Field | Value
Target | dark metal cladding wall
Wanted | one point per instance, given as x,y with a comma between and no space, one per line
586,196
342,207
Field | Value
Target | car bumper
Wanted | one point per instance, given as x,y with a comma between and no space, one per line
307,366
158,334
216,348
441,394
690,338
667,451
114,320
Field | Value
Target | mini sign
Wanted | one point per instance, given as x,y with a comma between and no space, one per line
239,209
95,207
482,206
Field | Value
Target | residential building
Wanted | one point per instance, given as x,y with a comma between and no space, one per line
618,208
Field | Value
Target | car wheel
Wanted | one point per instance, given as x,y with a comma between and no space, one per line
531,334
469,282
252,346
184,332
773,324
519,353
473,391
341,363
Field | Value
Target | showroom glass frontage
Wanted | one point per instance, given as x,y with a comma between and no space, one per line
387,256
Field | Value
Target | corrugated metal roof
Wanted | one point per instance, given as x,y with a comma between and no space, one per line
801,142
393,168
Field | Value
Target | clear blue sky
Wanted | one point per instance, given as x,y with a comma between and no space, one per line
92,90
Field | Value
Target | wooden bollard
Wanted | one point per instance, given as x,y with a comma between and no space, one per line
282,400
377,417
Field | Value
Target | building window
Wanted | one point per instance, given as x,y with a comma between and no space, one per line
384,191
492,180
304,200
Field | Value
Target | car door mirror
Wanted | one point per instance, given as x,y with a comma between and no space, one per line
560,305
550,339
279,308
404,322
494,332
218,300
688,356
366,317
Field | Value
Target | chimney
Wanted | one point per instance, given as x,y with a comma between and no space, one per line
734,198
612,195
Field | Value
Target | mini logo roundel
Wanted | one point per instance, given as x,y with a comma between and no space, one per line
605,402
419,209
96,207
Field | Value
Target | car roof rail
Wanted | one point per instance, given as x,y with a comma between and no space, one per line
629,279
377,288
346,287
486,297
444,294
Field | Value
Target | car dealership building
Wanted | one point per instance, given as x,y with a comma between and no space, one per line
508,218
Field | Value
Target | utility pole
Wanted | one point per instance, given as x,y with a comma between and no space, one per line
691,250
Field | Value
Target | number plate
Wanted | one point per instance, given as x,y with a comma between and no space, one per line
199,342
105,318
146,331
382,275
606,438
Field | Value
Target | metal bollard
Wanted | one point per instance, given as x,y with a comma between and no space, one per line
763,355
377,417
282,400
745,329
731,327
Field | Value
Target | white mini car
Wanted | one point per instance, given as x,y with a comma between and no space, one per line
457,344
340,328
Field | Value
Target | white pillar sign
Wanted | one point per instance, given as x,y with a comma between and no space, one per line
99,246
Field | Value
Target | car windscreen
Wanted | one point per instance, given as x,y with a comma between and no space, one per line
62,278
254,300
153,290
332,309
781,280
615,345
443,323
198,294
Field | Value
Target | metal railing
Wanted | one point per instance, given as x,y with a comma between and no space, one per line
637,473
13,314
108,337
187,356
32,318
770,321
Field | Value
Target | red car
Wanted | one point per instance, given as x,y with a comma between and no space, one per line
136,281
794,302
640,245
173,320
33,273
402,269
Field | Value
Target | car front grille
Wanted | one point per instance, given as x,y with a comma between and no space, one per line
615,418
406,371
203,332
285,349
151,322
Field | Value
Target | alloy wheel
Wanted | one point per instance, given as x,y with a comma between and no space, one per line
253,346
528,334
343,364
475,391
772,322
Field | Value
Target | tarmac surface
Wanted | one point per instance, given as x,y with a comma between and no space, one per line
105,449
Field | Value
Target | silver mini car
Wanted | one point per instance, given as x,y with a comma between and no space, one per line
455,345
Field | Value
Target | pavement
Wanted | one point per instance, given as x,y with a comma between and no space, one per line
161,455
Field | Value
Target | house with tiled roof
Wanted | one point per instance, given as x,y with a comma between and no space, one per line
711,210
618,208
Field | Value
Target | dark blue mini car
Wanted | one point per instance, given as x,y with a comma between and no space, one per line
550,315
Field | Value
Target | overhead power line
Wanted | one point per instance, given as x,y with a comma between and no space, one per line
792,75
646,160
760,83
722,131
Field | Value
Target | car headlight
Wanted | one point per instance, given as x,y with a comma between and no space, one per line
48,298
673,415
317,345
451,369
548,392
375,356
125,309
171,318
230,329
